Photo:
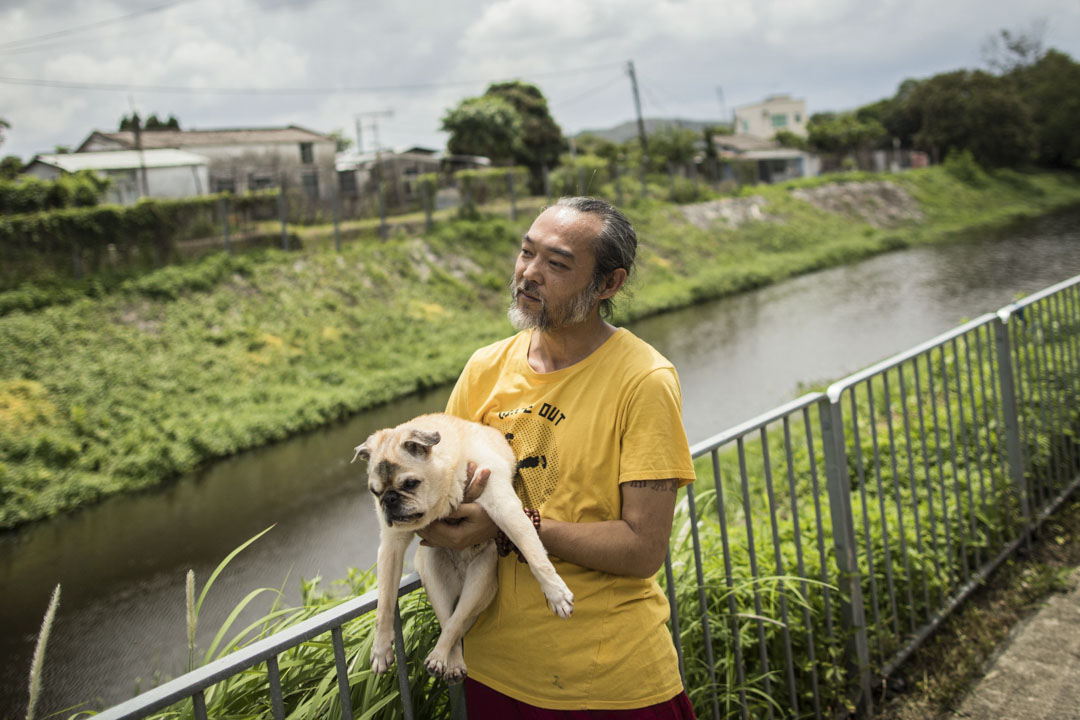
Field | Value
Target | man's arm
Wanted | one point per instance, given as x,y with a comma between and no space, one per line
633,545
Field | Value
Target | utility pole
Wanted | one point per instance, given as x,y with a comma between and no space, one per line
374,115
640,124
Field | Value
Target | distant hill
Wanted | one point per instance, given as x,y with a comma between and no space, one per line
629,130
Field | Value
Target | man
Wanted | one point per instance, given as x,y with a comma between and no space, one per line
594,417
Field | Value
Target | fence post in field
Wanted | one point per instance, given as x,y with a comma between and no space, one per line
1007,382
223,205
281,215
383,229
510,191
425,191
337,220
581,180
671,181
644,181
618,184
852,611
547,185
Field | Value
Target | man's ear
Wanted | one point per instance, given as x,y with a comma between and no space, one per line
614,283
419,443
363,452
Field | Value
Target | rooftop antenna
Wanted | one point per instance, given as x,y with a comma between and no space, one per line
723,105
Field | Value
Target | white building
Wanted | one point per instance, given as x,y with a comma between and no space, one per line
244,159
775,113
168,173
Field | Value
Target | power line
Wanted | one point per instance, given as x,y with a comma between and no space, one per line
179,89
94,25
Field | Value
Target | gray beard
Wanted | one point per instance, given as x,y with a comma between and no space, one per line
574,312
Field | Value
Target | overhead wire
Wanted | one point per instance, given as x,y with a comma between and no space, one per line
92,26
187,90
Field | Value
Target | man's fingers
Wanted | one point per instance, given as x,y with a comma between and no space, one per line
476,488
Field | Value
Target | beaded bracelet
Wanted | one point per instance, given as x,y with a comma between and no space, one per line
504,545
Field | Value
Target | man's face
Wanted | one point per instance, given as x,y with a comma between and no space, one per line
552,285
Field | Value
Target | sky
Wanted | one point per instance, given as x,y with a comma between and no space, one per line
394,67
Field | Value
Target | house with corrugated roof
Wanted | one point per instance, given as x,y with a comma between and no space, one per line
240,159
770,161
162,172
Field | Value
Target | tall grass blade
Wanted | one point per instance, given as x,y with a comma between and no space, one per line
38,663
221,566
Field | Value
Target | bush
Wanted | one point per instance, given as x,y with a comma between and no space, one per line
30,194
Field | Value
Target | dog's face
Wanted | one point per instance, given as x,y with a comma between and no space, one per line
409,490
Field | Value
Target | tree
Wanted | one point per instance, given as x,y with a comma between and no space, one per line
4,125
1051,92
592,144
485,125
843,132
788,139
10,167
1008,51
341,141
152,123
674,145
541,140
976,111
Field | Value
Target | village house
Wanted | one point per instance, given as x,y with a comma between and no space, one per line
770,116
400,170
164,172
240,160
763,160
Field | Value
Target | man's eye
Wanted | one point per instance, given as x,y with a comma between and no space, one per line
525,253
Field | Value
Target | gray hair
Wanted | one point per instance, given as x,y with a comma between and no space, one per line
615,245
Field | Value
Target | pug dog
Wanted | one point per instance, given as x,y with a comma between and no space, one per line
418,473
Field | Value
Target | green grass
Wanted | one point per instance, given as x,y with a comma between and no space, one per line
111,387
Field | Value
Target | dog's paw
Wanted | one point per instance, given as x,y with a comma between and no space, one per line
439,665
382,656
561,600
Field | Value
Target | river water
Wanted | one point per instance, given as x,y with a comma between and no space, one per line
122,564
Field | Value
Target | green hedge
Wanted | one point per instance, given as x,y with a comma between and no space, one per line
478,187
30,194
82,240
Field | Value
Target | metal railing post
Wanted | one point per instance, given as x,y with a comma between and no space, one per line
1009,410
852,612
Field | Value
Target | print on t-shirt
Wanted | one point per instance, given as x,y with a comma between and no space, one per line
531,433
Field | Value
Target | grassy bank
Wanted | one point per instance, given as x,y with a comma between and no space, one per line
121,391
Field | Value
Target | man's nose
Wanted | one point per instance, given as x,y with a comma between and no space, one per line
531,270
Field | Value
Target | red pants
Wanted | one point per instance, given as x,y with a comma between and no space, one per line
483,703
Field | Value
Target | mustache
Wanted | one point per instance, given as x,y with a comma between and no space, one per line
525,286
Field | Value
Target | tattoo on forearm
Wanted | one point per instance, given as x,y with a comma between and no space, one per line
655,485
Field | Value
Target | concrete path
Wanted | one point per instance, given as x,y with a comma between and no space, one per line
1036,674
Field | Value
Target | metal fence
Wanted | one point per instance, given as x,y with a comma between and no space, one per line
829,537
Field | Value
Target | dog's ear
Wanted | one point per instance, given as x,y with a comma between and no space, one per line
419,443
362,451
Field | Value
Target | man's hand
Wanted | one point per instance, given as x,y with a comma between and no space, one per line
467,526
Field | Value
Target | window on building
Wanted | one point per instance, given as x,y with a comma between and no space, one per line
307,153
798,117
222,184
745,126
310,182
347,182
779,121
260,181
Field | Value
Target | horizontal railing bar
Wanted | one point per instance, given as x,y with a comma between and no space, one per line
201,678
1011,308
837,388
732,433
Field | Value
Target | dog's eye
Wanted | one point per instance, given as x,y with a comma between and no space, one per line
410,484
374,492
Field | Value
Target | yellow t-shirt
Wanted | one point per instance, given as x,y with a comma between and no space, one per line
578,433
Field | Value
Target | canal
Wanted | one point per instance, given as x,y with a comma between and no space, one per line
122,564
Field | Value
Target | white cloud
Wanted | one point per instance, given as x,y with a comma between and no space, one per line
835,53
